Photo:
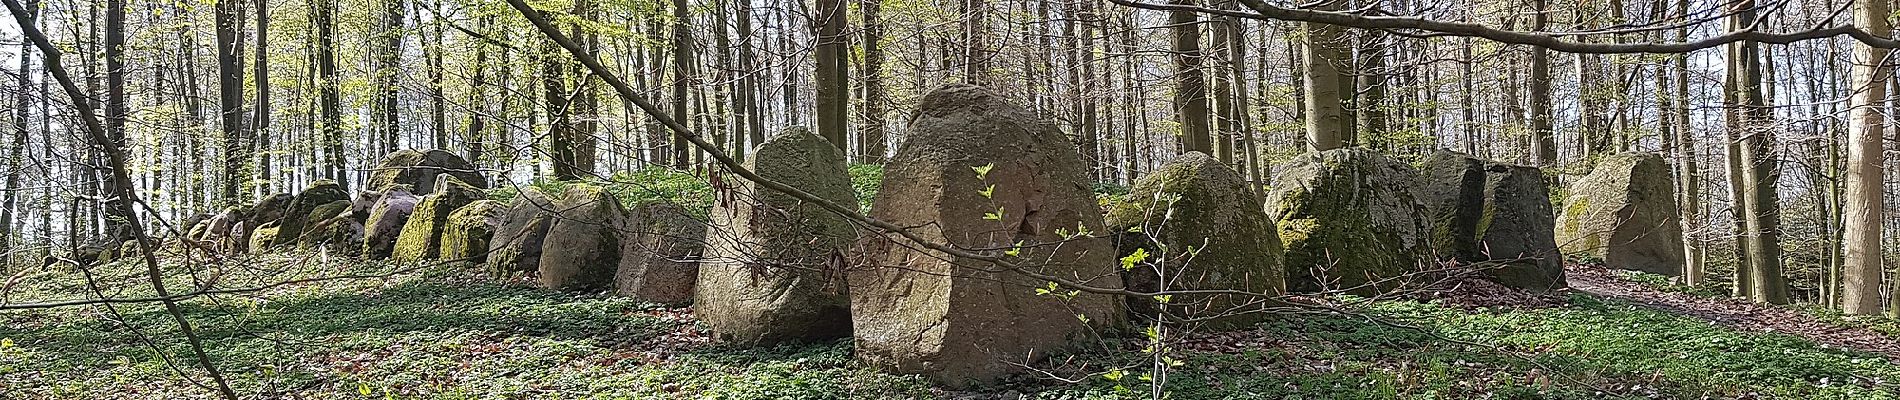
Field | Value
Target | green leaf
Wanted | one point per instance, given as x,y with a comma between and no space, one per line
1083,318
1163,298
989,192
1129,261
1114,375
1013,251
6,343
363,388
995,216
983,172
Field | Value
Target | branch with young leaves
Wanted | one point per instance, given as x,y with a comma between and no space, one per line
1261,10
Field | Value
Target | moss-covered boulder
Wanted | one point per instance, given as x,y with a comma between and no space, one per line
419,170
198,230
979,172
1350,222
262,237
773,270
466,232
185,225
129,249
1492,218
1624,213
1204,230
267,211
386,220
297,216
582,247
660,244
516,245
421,237
332,227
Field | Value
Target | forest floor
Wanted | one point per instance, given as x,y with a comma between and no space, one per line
443,332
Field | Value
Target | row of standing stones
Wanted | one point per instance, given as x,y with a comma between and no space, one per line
982,174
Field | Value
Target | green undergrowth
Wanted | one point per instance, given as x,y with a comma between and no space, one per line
1720,289
443,333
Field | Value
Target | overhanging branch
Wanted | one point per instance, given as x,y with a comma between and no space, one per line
1260,10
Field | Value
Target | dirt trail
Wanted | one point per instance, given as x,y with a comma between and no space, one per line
1732,313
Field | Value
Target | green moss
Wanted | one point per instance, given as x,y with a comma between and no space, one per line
466,233
262,237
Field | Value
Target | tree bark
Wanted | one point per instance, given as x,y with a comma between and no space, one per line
1326,120
832,73
231,105
1862,205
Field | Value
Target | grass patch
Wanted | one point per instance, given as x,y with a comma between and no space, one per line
442,333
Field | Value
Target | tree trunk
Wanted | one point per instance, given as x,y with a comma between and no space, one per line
682,72
832,74
260,120
1543,139
1862,205
1326,48
231,105
1693,272
1190,88
387,119
873,142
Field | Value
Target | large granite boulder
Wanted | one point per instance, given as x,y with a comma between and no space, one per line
1493,218
386,220
262,237
582,248
466,232
332,226
660,244
224,228
1204,230
298,214
421,236
190,223
1350,222
1624,213
266,212
516,245
979,172
773,270
419,170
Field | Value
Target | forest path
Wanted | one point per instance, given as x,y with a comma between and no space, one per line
1732,313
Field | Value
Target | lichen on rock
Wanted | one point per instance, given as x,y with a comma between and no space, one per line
1350,221
466,232
1624,213
773,266
421,235
1206,231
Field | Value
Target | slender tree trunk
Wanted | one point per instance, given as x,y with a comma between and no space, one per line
1368,99
1862,205
871,134
260,120
387,117
832,74
1190,87
1326,51
682,73
1693,270
1543,139
976,52
22,112
478,97
231,104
